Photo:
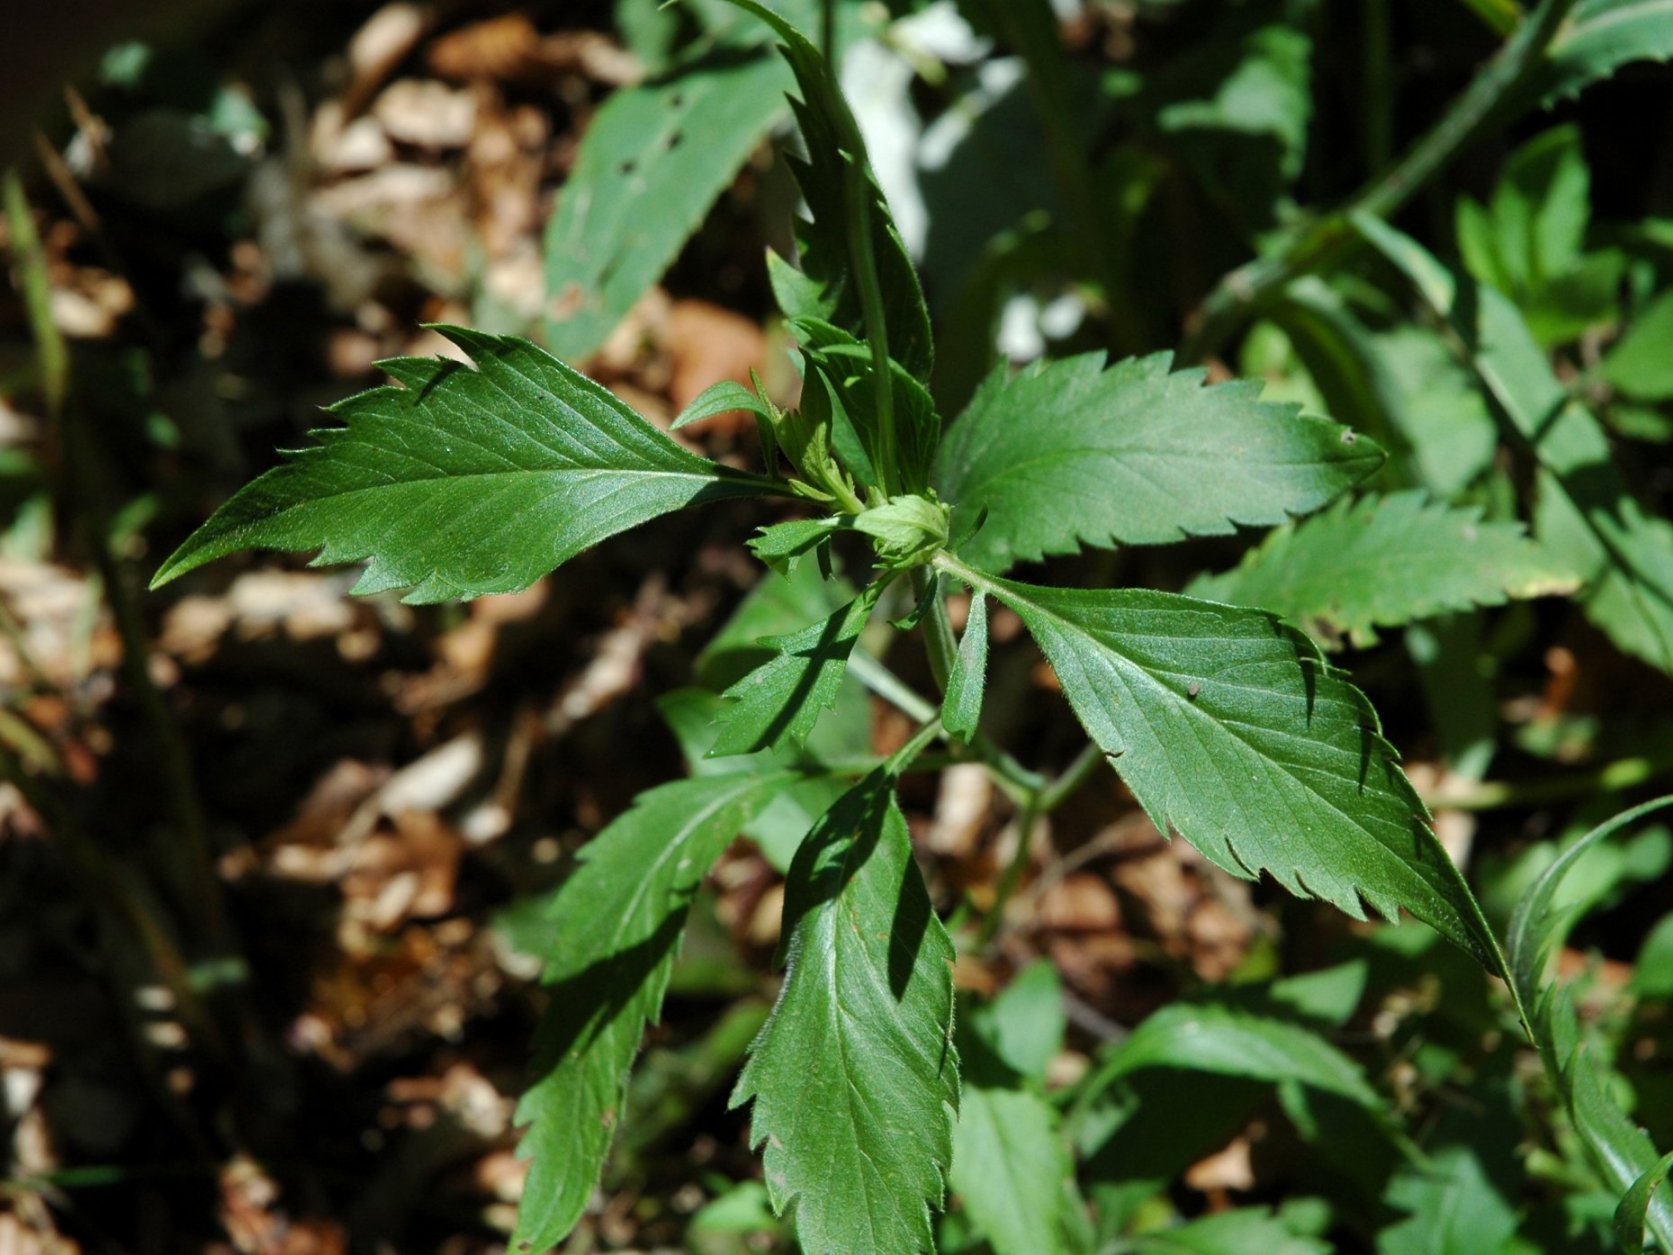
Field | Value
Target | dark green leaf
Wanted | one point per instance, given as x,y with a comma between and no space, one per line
619,917
779,702
1618,1149
1069,453
843,735
1233,733
1383,561
963,708
465,481
836,155
854,1079
651,162
1587,518
1603,35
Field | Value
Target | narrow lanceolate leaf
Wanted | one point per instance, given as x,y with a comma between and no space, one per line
620,916
1603,35
1384,561
963,707
854,1078
836,166
465,481
779,702
1070,453
651,162
1013,1171
1229,1041
1232,732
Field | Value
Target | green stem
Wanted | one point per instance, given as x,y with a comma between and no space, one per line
1069,780
1013,872
1496,89
938,632
864,262
902,758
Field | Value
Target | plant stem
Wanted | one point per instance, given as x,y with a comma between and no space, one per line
827,32
863,260
1013,872
938,631
1496,89
902,758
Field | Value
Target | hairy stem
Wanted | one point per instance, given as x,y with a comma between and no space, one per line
1496,89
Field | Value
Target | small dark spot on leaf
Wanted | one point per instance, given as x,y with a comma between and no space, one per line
628,166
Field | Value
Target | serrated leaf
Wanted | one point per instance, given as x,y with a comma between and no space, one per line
462,481
779,702
781,545
1233,733
1384,561
835,149
1070,453
962,709
1587,518
620,916
1620,1151
1012,1169
845,364
1600,36
651,162
842,737
854,1078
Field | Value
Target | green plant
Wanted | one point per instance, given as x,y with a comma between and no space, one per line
1227,724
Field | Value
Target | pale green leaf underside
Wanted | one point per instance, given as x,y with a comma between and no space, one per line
1069,453
1385,561
620,916
1603,35
1232,732
464,481
1011,1167
651,162
854,1078
1230,1042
